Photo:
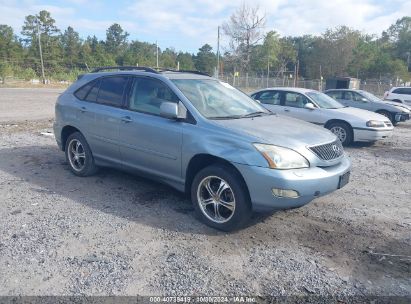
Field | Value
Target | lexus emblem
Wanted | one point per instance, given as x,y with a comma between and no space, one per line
336,149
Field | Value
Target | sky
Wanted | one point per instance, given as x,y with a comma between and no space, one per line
188,24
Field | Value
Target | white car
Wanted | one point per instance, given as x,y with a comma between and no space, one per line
399,94
349,124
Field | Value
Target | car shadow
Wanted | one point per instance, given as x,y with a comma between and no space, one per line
153,204
111,191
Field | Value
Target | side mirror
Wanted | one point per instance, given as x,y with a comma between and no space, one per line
257,100
173,110
309,106
363,99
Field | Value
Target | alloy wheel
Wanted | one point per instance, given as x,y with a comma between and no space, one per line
216,199
340,132
76,155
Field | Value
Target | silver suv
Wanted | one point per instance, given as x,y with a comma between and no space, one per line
202,137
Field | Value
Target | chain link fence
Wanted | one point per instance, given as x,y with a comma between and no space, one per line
250,84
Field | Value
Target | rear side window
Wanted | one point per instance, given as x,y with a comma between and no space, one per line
335,94
111,90
270,97
404,91
83,91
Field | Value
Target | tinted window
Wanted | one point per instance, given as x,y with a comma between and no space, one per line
335,94
82,92
348,96
404,91
295,100
148,94
111,90
92,94
270,97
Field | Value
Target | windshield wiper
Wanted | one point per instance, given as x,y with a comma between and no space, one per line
255,114
226,117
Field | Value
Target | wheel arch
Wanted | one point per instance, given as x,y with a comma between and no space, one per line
331,121
200,161
65,133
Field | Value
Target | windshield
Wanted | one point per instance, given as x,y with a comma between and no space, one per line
218,100
370,96
324,101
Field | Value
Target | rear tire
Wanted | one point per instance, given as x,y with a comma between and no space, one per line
79,156
220,198
343,131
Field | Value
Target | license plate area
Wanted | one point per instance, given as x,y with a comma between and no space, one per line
344,179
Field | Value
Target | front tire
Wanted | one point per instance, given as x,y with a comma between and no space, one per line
343,131
79,156
220,198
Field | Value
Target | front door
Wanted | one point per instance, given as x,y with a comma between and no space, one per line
149,142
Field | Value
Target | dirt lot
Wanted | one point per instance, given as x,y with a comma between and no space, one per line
120,234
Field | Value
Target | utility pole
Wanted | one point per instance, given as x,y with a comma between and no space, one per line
218,52
268,69
157,53
41,53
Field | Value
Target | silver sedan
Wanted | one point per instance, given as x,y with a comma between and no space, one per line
349,124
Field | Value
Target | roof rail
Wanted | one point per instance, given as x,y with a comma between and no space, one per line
182,71
124,68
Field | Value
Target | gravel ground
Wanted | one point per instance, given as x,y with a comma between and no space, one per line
118,234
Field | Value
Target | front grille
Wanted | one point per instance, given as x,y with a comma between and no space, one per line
328,151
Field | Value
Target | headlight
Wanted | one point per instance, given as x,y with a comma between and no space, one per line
281,158
375,124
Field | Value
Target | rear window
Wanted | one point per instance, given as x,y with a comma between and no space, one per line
83,91
111,90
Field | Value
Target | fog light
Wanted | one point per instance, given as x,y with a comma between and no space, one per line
285,193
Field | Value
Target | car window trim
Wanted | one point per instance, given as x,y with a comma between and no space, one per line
98,80
133,79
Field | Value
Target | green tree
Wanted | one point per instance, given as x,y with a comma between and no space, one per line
71,46
205,60
140,53
11,49
185,60
49,37
116,40
5,71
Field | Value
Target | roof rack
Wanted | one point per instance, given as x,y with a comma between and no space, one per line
182,71
124,68
146,69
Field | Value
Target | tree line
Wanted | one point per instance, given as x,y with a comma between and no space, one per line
251,51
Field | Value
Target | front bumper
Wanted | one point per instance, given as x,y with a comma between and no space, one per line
363,134
402,117
310,183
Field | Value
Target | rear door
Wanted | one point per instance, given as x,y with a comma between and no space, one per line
100,114
149,142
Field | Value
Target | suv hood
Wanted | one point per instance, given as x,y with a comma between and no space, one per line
279,130
360,114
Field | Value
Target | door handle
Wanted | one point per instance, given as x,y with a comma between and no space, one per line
83,109
286,110
126,119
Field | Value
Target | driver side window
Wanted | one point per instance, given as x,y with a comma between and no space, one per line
148,94
295,100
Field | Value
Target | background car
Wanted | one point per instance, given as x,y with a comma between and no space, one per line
395,112
399,94
349,124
